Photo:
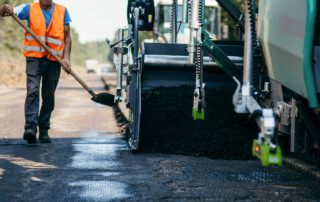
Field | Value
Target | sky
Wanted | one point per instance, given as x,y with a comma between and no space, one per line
96,19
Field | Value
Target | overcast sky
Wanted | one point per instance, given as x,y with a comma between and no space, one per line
96,19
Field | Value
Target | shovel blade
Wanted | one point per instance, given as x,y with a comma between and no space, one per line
105,99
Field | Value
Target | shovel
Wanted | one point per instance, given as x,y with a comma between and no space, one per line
101,98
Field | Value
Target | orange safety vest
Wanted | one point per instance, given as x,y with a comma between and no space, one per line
53,36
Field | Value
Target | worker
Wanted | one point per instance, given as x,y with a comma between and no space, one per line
51,23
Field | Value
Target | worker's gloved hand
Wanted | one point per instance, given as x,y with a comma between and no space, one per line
6,10
67,67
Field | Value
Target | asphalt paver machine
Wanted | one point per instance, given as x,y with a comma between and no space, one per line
254,65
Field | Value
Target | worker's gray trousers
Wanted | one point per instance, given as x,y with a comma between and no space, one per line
49,71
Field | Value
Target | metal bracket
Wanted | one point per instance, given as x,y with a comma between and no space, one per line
294,126
120,50
268,123
237,99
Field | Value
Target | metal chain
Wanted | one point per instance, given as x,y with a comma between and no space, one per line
256,71
199,57
189,9
173,31
200,12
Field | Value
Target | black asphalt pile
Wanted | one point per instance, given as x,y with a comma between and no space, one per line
167,125
122,121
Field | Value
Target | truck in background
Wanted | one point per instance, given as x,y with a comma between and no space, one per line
92,66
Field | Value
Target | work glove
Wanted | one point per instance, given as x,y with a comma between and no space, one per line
6,10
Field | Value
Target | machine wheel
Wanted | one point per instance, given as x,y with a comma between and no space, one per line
135,91
135,112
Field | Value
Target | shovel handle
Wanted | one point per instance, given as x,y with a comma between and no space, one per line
53,54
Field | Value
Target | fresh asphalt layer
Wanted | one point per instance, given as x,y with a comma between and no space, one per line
88,160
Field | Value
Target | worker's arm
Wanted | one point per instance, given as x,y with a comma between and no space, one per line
67,48
6,10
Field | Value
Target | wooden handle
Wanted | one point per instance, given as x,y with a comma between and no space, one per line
53,54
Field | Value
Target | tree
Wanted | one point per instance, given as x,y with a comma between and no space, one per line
11,34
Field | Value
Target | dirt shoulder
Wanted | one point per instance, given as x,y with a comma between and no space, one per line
12,71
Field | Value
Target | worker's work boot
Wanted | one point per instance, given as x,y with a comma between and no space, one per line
30,136
44,137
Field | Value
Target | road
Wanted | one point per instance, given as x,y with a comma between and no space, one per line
89,160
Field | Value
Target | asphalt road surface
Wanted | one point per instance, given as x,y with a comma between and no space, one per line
89,160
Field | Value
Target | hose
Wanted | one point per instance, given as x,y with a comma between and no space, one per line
317,28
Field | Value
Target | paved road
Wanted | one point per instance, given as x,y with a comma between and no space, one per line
88,160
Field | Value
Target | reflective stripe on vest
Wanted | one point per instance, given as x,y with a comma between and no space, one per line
42,38
40,49
54,41
34,48
58,53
